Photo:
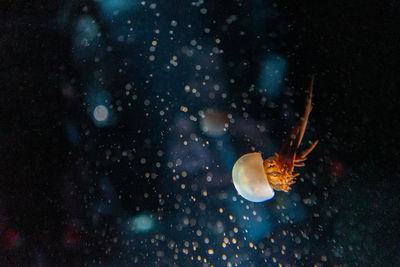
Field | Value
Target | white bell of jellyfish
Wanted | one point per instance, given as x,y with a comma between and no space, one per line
250,180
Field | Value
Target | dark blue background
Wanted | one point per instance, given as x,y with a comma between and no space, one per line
128,190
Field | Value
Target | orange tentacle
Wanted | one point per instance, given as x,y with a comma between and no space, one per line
279,168
288,151
299,159
308,150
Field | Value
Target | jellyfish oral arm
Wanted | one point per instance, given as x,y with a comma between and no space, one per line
289,148
303,154
279,168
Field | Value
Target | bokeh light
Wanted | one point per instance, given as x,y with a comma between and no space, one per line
142,223
272,75
100,113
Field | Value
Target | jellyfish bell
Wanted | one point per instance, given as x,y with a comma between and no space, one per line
250,179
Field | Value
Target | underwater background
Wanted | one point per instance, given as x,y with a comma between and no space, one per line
121,120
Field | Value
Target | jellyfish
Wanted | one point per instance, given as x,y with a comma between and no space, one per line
256,179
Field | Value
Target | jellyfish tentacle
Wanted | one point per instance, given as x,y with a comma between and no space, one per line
299,159
304,119
304,153
279,168
288,150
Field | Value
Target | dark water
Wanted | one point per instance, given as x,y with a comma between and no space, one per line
120,122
